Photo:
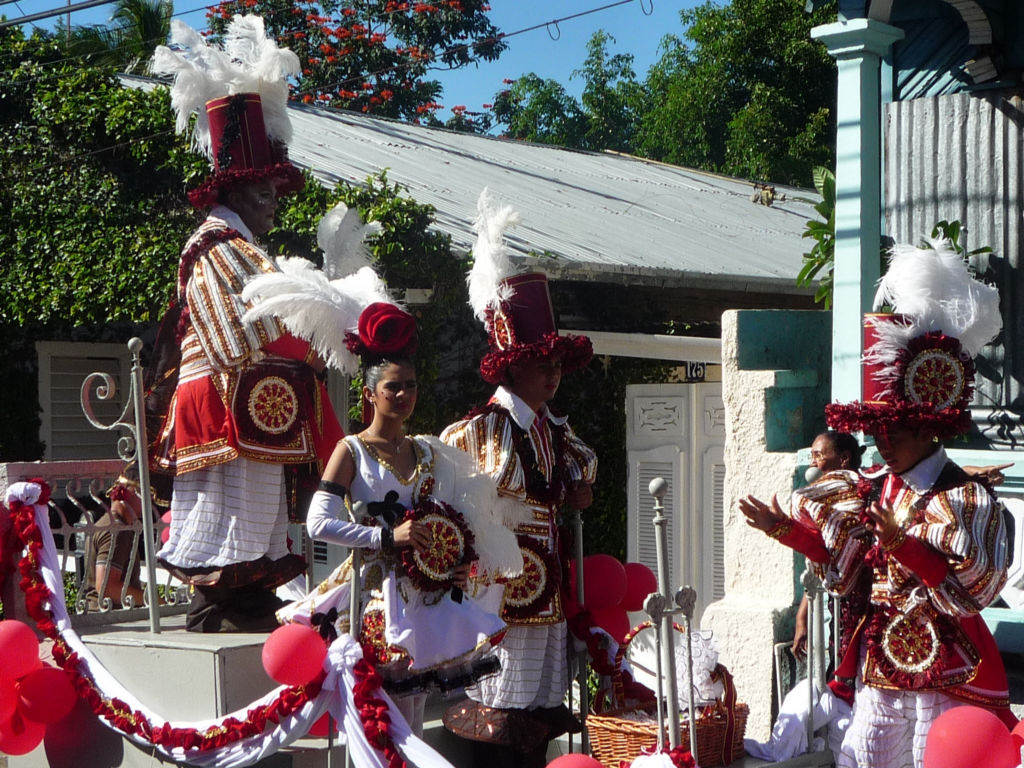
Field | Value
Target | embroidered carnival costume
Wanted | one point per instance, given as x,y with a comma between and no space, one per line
246,402
421,631
913,641
535,458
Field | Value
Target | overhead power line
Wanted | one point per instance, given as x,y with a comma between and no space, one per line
49,14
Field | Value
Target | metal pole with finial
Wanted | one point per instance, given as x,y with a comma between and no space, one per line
686,599
582,659
658,487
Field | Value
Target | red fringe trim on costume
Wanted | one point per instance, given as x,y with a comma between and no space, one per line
289,180
575,351
874,418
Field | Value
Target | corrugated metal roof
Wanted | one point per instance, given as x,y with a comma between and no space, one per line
592,212
593,215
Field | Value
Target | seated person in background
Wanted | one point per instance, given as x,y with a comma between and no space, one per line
109,554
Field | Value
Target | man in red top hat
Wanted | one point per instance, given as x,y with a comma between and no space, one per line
916,547
247,403
539,465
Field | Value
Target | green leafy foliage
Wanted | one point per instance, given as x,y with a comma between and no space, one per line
744,91
952,230
821,257
747,93
139,26
540,111
92,189
373,57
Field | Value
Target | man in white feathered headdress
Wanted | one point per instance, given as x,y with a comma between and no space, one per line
916,547
246,410
539,465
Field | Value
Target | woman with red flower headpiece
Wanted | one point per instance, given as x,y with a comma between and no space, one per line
427,519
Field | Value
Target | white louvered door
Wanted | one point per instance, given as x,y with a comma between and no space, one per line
677,431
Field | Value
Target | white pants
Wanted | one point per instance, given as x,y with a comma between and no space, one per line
534,669
889,728
229,513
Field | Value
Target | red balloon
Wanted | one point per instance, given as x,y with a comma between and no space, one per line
604,582
8,698
294,654
165,533
575,760
18,648
1018,734
612,620
969,737
319,728
640,582
45,695
19,736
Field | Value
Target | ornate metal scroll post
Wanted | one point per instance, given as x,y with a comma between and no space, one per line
658,488
131,448
576,520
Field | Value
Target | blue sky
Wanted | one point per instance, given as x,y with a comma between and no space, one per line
550,52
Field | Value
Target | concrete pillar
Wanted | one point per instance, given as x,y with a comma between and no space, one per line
858,46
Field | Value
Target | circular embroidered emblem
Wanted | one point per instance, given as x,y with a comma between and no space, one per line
273,405
446,548
527,588
935,376
451,545
911,644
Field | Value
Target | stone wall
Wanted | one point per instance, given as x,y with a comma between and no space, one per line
774,400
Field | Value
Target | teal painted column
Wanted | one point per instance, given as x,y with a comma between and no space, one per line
858,46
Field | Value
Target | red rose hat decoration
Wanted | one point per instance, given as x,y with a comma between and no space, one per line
384,330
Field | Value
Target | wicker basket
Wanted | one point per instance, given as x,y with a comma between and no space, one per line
615,738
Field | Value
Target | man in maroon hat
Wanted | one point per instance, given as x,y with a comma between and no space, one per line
539,466
247,407
916,546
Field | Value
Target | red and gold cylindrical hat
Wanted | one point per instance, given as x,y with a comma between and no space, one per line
922,383
522,326
242,151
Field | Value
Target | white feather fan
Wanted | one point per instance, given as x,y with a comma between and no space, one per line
250,62
314,308
342,236
491,262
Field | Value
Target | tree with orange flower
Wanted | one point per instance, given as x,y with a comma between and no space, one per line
373,56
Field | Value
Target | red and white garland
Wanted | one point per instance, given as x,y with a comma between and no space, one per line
349,687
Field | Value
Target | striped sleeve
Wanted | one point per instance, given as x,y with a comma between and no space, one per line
832,506
965,524
216,307
488,439
581,460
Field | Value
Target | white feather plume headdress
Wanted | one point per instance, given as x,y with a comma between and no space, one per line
934,290
249,62
321,306
491,262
